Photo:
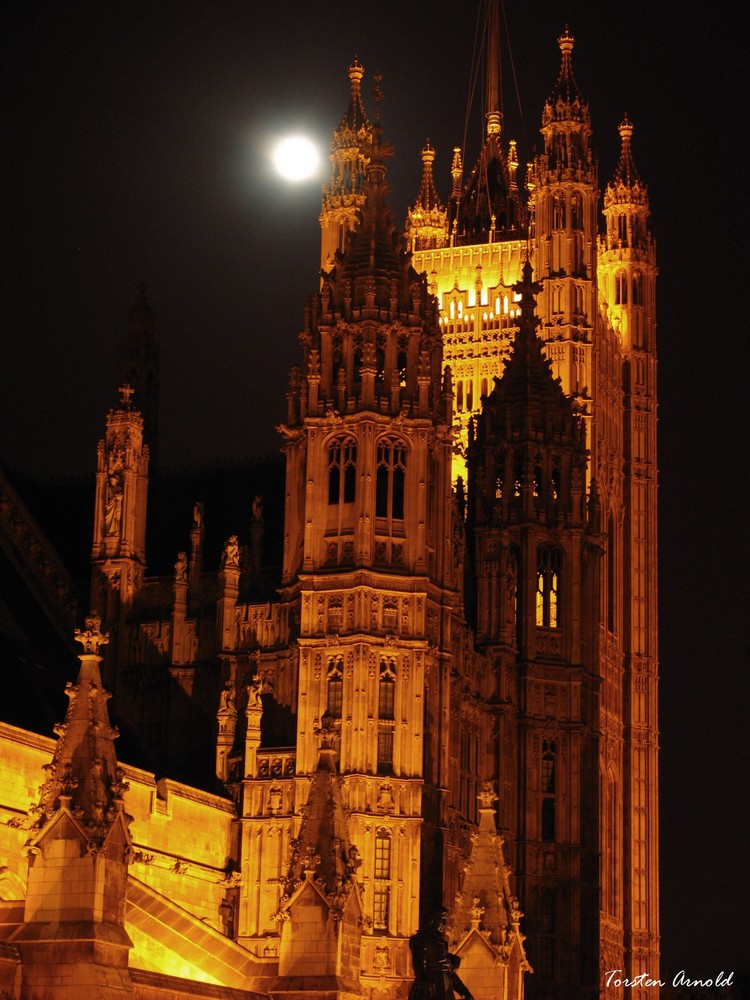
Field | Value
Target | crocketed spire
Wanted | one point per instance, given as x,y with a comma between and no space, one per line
427,223
84,776
355,117
566,121
625,172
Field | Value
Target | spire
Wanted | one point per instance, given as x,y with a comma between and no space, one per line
626,207
320,890
528,399
566,122
355,117
84,777
73,934
343,195
625,172
427,224
485,925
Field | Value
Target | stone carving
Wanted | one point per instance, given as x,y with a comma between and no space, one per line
181,568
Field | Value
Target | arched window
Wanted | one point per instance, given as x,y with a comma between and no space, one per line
459,396
622,229
342,471
386,715
548,588
576,210
558,210
379,365
381,881
390,479
549,793
470,395
621,288
335,688
401,362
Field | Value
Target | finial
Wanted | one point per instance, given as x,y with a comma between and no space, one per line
91,638
356,71
566,41
625,128
428,153
126,391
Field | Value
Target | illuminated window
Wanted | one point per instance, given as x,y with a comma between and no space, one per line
547,588
390,479
386,715
335,698
381,881
549,766
342,472
460,396
401,363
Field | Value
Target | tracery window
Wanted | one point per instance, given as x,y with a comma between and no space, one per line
558,210
548,588
576,210
390,480
342,471
381,881
335,688
386,715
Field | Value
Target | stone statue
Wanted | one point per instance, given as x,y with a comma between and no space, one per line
230,558
181,568
113,504
257,508
435,976
198,515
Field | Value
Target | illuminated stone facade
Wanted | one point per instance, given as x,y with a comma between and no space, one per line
452,699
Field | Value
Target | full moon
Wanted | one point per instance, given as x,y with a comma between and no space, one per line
296,158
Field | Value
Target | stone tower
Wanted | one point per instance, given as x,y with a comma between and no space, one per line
367,568
536,549
118,554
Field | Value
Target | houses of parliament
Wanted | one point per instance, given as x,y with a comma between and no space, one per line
420,677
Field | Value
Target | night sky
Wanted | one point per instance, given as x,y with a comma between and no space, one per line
136,140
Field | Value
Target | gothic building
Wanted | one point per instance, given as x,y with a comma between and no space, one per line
449,696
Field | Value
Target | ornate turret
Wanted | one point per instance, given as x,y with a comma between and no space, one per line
73,938
344,193
566,122
427,224
118,555
537,555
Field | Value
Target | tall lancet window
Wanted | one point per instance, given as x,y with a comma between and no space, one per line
558,210
548,588
386,715
390,480
381,881
342,471
335,688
